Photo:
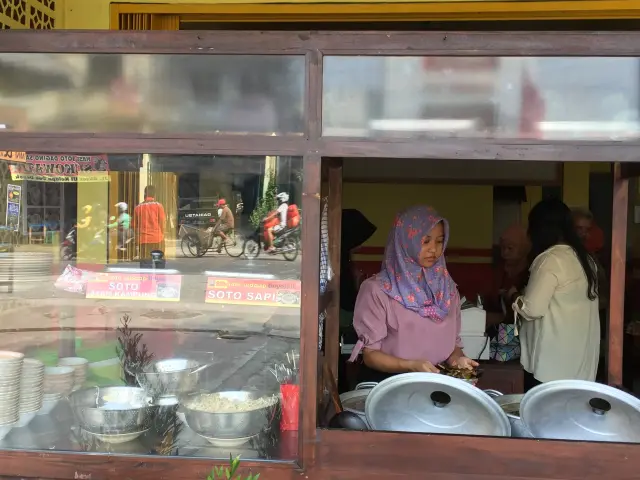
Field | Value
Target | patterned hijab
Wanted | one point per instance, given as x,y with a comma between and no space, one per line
426,291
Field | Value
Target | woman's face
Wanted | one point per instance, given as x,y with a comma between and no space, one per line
432,246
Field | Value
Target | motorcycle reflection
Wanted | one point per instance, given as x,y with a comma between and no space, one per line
69,247
286,243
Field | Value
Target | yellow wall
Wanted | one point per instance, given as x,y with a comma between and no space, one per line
469,208
95,14
575,184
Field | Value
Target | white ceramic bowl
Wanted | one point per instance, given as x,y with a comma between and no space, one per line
48,406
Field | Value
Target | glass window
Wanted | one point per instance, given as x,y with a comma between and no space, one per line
550,98
157,310
152,93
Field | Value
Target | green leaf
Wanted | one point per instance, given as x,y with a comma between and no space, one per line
235,463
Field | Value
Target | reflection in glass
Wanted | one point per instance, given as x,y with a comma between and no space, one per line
148,346
151,93
486,97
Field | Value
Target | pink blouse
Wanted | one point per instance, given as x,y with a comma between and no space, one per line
384,324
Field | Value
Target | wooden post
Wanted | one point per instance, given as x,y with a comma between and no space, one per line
334,214
615,333
309,311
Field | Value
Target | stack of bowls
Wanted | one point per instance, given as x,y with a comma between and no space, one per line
58,380
49,401
10,374
31,390
80,369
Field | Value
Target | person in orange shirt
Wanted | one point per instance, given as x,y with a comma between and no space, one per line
148,224
592,237
591,234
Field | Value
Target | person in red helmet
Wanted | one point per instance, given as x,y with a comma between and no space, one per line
226,222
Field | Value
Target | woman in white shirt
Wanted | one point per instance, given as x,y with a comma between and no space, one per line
558,312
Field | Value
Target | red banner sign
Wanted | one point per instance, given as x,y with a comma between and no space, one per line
246,291
135,286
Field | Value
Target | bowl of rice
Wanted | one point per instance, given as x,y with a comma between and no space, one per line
229,415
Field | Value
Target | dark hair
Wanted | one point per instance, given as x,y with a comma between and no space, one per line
149,191
551,223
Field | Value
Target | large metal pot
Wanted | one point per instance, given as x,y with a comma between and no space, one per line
510,404
354,400
434,403
580,410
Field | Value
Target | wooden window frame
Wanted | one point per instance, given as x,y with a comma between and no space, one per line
341,454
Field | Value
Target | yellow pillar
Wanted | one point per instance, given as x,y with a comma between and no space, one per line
575,184
94,194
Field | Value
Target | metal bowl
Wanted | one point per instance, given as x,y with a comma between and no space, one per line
170,378
229,425
111,410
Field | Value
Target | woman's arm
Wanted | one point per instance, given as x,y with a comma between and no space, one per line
534,304
384,362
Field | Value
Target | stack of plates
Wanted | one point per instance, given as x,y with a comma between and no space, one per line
58,380
31,390
10,374
80,368
27,269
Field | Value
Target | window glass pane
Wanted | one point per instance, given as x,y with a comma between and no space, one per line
481,97
151,272
151,93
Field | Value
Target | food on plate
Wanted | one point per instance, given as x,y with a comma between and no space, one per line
461,373
220,403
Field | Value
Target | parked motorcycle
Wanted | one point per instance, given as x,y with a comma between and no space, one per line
69,247
286,244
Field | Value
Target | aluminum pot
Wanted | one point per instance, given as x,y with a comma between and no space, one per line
581,410
354,400
510,404
434,403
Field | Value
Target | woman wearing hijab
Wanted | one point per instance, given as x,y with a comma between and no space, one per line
560,332
408,316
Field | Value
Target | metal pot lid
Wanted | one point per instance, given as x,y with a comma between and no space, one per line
434,403
581,410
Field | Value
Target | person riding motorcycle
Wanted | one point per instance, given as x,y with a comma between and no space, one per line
123,224
276,222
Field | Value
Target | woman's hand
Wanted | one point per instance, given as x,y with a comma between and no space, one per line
421,366
463,362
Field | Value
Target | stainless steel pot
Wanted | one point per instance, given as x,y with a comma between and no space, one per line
434,403
354,400
510,404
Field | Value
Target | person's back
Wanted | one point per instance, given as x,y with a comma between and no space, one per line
149,220
226,217
560,338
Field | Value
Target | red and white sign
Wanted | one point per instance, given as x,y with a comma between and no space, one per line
245,291
135,286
